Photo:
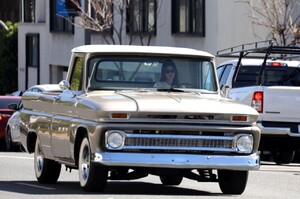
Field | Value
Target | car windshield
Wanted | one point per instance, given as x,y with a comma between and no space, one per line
5,102
149,73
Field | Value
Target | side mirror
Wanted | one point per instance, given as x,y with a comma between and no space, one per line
13,106
64,85
225,90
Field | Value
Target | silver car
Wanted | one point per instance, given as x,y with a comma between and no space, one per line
12,136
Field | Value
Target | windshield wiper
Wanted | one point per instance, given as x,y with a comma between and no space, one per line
170,90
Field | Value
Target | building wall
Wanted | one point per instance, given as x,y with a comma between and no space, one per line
227,24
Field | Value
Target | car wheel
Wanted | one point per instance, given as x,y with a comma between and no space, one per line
283,156
92,177
8,140
46,171
171,180
232,182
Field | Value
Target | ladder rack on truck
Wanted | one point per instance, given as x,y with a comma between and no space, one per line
260,50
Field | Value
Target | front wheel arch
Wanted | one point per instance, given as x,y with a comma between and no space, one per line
31,139
80,135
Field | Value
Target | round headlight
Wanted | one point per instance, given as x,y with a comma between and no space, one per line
244,143
115,140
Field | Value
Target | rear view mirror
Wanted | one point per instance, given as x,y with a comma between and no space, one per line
64,85
225,90
13,106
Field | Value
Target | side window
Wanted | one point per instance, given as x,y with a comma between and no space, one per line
247,76
220,70
223,76
77,74
35,90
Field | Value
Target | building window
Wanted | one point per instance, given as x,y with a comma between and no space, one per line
188,17
32,50
57,73
9,11
106,20
141,16
32,59
29,11
59,23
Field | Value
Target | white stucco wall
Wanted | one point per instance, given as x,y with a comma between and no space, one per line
32,28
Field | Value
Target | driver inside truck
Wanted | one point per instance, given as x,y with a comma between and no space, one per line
169,76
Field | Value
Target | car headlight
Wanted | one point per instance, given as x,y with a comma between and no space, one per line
114,139
244,143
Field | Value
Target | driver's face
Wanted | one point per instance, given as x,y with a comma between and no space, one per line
170,73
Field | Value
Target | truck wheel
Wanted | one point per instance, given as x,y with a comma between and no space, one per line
92,177
46,171
171,180
232,182
8,142
283,156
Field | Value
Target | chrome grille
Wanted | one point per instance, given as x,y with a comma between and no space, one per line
179,142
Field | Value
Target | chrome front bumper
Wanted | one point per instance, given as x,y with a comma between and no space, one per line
277,131
180,161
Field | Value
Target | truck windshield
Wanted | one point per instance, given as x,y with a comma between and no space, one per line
272,76
146,73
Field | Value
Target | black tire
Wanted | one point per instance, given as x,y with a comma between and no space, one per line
46,171
92,177
283,156
171,180
8,140
232,182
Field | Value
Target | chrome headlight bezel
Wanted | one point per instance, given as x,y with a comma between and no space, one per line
244,143
114,139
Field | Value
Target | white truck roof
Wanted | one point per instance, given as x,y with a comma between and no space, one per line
141,49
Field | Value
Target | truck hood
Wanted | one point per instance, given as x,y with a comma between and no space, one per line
166,102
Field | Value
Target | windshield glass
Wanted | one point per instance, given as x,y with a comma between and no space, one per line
146,73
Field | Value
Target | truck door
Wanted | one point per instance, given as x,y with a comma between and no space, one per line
64,112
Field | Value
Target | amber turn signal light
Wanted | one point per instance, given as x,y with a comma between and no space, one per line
119,115
239,118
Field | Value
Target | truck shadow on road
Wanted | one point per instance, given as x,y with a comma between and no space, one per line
112,188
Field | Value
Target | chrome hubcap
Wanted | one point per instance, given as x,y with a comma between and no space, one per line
40,162
85,165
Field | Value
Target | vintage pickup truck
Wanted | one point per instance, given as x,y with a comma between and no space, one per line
117,120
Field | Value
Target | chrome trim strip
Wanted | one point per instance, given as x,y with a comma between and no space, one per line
177,121
276,131
180,161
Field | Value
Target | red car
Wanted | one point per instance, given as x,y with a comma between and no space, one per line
5,112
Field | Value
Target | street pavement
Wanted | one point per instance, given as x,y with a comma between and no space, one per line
17,181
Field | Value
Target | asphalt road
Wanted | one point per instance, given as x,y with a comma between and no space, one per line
17,181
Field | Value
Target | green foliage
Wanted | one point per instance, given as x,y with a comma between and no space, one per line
9,59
